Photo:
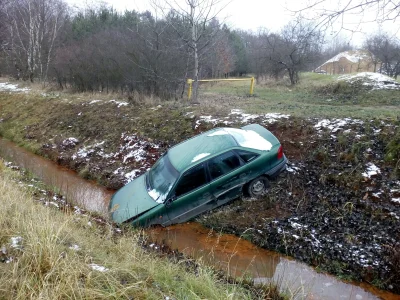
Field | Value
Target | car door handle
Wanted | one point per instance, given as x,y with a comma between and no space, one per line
236,177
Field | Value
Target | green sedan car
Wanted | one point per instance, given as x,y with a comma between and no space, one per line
201,174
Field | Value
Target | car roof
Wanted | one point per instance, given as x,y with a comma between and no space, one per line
203,145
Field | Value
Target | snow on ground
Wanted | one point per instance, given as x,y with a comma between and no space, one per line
335,125
132,150
265,118
291,168
16,242
372,170
98,268
70,142
376,81
8,87
132,175
119,103
237,115
94,101
75,247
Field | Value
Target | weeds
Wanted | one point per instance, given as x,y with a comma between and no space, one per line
38,244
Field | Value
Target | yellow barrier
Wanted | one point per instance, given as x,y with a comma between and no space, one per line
190,83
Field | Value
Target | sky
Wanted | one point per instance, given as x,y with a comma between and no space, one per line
273,15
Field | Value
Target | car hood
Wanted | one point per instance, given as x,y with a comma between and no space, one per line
131,200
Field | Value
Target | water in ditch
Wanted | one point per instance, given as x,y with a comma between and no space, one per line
236,256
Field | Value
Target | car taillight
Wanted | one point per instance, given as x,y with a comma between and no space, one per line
280,152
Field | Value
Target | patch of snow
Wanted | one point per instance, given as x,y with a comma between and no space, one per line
70,142
244,117
95,101
376,81
267,118
249,139
75,247
138,155
131,175
377,194
335,125
98,268
119,103
273,117
218,132
372,170
396,200
47,203
8,87
16,242
292,169
200,156
297,225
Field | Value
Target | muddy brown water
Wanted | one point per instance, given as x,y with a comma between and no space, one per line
81,192
236,256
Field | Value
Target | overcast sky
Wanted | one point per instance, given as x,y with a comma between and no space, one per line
270,14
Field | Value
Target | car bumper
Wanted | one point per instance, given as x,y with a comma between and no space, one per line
279,168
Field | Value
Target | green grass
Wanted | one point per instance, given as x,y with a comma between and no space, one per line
312,97
44,266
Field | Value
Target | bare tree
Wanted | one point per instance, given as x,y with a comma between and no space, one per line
195,30
379,10
386,51
33,28
295,49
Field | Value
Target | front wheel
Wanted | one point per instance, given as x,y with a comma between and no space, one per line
258,187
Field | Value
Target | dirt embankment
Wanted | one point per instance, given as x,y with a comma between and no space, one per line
337,207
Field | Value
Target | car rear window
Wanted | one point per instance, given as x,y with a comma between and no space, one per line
247,156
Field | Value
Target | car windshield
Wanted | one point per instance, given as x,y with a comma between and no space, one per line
160,179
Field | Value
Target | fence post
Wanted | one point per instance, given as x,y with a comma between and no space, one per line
251,86
189,82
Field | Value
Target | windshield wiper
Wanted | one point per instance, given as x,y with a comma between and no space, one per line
147,179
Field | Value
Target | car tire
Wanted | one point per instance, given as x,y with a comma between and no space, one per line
257,187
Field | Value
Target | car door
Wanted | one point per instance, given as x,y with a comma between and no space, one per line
228,174
190,196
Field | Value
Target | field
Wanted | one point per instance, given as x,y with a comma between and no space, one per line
336,208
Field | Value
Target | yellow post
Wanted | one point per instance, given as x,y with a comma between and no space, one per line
251,86
189,82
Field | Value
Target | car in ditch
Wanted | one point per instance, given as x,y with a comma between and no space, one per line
200,174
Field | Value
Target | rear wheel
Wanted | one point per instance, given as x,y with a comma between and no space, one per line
258,187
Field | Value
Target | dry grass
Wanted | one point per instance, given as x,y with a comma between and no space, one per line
45,266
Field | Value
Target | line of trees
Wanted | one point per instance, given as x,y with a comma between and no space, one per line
100,49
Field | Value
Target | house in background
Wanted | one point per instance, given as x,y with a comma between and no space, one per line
346,62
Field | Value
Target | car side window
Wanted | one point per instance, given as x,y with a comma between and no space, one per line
247,156
223,164
191,180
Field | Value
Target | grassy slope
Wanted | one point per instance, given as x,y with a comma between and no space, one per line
33,120
45,267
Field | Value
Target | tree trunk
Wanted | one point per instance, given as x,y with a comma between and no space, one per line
195,55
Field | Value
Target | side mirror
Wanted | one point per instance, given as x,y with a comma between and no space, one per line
169,201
